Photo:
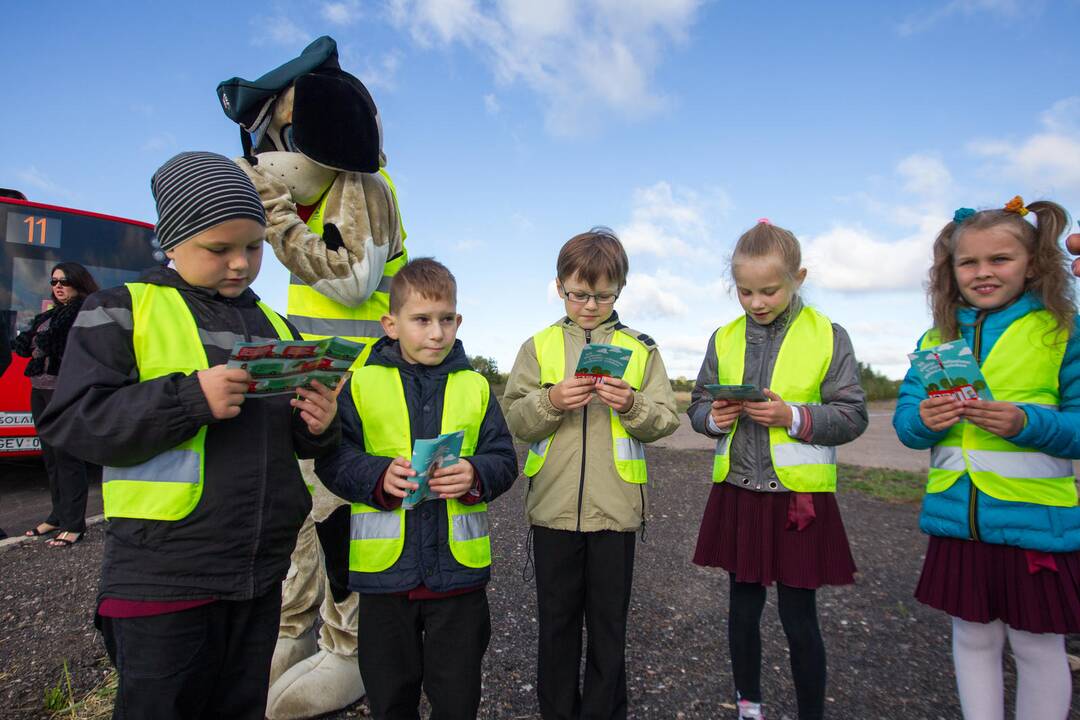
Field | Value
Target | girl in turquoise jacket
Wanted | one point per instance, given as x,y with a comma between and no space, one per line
1001,503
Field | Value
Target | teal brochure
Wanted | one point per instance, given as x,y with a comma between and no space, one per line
598,361
281,366
950,369
427,457
751,393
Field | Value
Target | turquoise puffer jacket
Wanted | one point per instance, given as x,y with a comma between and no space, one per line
954,513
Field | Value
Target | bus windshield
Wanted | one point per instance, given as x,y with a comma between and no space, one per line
33,238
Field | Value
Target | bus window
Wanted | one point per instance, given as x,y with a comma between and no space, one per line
33,238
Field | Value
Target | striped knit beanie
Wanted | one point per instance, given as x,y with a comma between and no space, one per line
195,191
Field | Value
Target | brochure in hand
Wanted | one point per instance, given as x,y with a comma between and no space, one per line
281,366
427,457
599,361
950,369
751,393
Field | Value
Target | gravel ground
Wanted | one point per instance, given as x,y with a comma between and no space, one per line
889,656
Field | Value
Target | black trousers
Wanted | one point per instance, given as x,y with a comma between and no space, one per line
67,476
208,663
333,535
582,575
435,644
798,615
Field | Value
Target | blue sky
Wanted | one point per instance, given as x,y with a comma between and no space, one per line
512,126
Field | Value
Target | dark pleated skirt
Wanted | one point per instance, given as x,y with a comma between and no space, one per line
980,582
747,533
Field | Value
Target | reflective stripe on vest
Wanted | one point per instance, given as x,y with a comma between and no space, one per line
627,451
166,340
1023,366
378,536
801,365
317,316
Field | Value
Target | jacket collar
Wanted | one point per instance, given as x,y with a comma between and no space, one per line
387,353
607,327
168,277
1001,317
777,327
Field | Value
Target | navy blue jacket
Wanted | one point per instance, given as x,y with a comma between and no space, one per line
353,474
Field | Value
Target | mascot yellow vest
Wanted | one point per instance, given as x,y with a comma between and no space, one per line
167,486
317,316
377,537
801,365
1023,367
628,451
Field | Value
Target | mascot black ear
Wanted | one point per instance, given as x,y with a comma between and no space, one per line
334,121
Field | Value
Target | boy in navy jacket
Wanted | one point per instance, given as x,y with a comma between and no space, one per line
420,574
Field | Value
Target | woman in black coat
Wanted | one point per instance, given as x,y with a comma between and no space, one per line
44,344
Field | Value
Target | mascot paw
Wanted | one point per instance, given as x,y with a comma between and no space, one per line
290,651
318,685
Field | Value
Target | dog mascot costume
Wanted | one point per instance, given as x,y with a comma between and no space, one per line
313,147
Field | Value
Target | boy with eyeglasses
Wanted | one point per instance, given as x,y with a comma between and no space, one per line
586,469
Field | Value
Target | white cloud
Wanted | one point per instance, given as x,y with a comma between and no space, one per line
649,296
279,30
1047,161
1008,9
667,221
341,13
381,73
852,258
924,175
580,58
491,104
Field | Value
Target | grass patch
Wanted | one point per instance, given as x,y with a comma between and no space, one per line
682,401
898,486
97,704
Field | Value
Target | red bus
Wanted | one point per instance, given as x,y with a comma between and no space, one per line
33,238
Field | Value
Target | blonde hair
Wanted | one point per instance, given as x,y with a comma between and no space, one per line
1050,278
766,239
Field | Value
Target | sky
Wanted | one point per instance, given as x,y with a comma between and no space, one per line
512,126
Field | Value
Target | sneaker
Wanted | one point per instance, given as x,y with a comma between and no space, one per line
750,710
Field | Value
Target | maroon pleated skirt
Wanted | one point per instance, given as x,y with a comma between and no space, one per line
756,536
981,582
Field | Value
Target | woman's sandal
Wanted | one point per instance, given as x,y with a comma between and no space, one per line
63,542
36,531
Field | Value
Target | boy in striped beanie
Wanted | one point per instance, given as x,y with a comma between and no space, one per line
201,487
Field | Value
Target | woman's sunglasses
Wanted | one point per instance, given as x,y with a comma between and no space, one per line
62,282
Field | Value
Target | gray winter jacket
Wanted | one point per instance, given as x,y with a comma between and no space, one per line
840,418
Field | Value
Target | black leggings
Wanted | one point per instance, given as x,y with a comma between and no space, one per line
798,615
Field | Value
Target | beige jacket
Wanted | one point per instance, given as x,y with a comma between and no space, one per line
579,488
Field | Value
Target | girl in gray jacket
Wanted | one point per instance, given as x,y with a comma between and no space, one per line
772,514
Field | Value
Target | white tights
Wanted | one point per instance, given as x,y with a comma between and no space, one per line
1043,680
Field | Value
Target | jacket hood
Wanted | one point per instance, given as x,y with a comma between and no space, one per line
387,352
168,277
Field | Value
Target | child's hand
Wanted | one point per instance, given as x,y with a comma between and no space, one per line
453,481
724,413
317,406
616,394
224,388
572,393
774,412
1001,418
396,478
941,412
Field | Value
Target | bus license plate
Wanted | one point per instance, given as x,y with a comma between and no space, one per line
19,444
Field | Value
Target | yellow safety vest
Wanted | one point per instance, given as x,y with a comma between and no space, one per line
167,486
628,451
801,365
317,316
1022,367
377,536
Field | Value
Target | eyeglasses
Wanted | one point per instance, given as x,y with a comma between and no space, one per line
582,298
62,282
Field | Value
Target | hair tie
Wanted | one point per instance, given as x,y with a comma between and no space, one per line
1016,205
764,221
962,215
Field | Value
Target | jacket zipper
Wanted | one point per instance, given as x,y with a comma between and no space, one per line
973,496
584,443
262,475
765,357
